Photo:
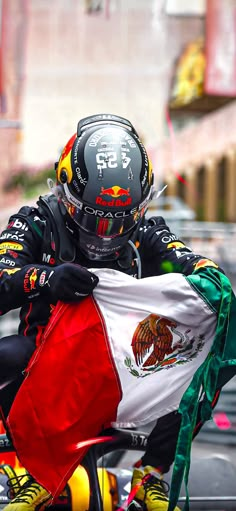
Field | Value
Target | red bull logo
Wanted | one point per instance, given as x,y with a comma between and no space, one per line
116,192
9,271
30,279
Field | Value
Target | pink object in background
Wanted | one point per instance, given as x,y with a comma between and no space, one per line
221,420
220,78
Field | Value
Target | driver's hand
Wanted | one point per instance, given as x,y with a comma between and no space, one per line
70,282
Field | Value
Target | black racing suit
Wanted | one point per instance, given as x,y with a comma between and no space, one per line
43,235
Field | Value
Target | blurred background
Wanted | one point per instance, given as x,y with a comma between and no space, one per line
167,65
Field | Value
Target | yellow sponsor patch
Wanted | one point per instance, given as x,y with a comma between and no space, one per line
176,244
10,245
204,263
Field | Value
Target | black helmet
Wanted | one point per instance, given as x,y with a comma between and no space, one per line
106,183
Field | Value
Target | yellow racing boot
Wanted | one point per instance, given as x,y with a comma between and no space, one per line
148,490
30,497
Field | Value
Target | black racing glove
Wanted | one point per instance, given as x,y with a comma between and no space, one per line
67,282
157,235
159,241
70,282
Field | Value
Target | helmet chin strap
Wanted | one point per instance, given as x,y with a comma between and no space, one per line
99,257
116,253
115,256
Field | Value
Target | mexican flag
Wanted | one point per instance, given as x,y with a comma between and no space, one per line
133,352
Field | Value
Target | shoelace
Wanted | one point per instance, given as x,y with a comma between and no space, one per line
157,487
27,490
13,481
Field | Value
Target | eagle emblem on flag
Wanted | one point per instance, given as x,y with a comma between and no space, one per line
159,342
153,332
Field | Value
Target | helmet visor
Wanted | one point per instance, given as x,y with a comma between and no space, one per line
104,225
